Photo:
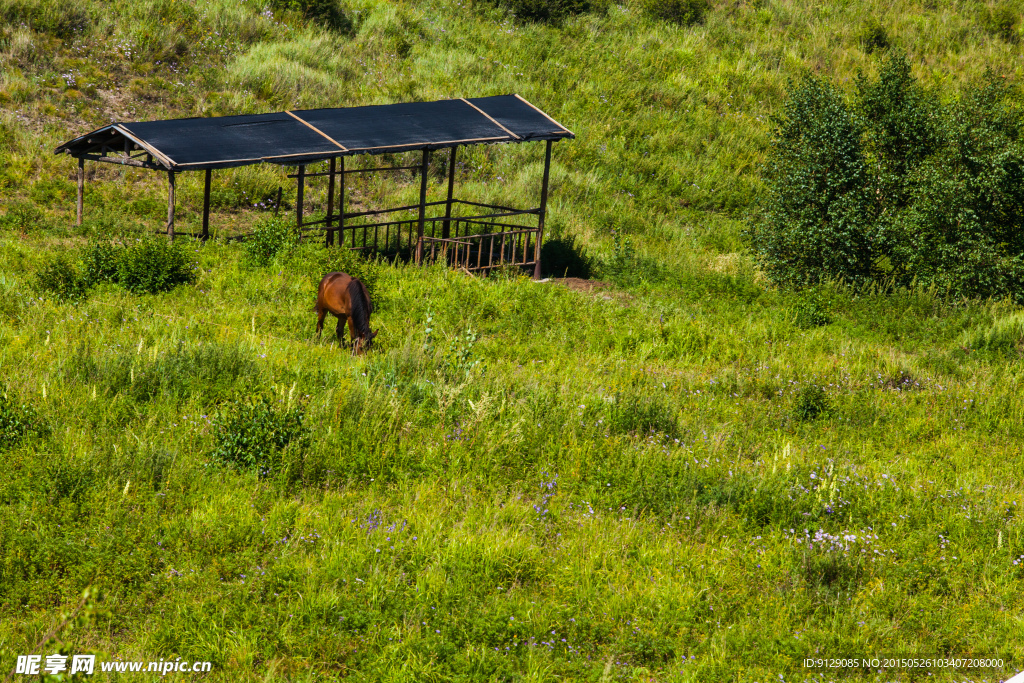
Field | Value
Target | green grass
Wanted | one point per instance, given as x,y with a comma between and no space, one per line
548,484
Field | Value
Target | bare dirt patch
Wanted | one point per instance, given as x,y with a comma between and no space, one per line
597,288
580,285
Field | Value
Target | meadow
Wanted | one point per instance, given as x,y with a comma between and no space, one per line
674,471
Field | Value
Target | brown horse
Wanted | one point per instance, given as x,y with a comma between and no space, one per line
347,298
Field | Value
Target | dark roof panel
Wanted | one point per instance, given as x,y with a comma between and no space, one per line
521,117
230,138
299,136
412,125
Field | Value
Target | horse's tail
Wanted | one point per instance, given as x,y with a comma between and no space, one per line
319,294
361,307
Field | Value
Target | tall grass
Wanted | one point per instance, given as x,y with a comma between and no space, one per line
522,481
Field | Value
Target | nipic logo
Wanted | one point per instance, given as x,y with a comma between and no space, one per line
33,665
55,664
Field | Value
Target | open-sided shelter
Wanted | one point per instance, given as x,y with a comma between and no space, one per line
296,138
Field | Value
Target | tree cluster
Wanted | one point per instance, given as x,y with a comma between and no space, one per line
896,186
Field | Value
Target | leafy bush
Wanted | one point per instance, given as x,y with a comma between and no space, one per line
898,187
811,403
813,309
62,279
682,12
251,436
902,129
460,358
22,216
101,261
327,13
155,265
961,228
1003,21
271,236
550,11
16,423
60,19
151,265
873,36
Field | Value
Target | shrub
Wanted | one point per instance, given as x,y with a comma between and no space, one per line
550,11
1003,21
101,262
327,13
16,423
811,403
960,229
902,129
22,216
250,436
873,36
62,279
813,309
460,358
682,12
155,265
271,236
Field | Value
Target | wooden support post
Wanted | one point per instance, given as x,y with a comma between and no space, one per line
298,198
330,203
446,230
80,205
543,211
170,204
423,206
341,206
206,205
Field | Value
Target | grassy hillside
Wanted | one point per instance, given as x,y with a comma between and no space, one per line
679,473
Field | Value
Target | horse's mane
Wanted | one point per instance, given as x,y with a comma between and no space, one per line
361,307
366,293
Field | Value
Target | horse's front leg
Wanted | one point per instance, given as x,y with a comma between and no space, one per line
340,330
357,341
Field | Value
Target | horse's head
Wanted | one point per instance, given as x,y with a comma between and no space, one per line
364,343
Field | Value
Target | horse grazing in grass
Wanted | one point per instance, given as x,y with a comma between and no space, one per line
347,298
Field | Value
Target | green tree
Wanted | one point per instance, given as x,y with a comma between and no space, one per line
962,229
819,216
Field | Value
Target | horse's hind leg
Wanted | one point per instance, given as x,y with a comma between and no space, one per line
321,313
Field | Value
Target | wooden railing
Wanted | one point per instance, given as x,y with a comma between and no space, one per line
483,251
475,242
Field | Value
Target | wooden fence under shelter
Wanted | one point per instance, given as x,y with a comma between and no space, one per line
469,235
